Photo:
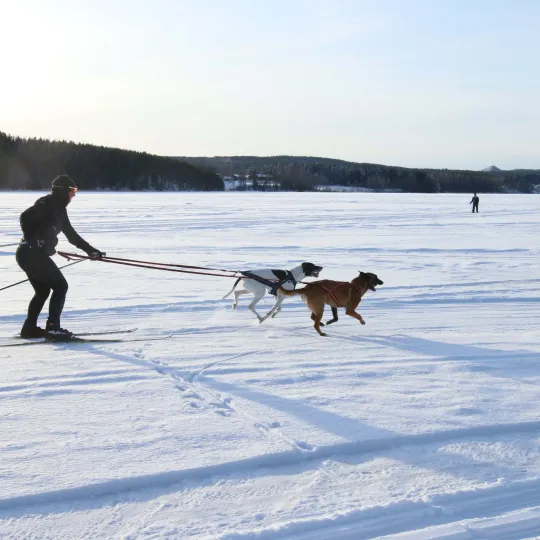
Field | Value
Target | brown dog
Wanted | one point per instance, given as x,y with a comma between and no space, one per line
335,294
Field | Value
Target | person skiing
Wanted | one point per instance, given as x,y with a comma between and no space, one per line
41,224
474,201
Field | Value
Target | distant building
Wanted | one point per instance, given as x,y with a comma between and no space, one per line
250,182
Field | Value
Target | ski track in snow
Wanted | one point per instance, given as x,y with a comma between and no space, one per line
489,499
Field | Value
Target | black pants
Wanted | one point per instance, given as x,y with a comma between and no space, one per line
475,208
44,276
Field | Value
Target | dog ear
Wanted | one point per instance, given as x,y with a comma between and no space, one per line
360,272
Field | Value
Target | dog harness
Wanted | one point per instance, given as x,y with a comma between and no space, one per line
274,285
331,291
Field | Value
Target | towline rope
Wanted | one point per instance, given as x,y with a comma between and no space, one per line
181,268
157,266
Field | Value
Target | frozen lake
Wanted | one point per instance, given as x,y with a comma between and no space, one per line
424,423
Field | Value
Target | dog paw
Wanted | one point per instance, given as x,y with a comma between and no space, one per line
362,322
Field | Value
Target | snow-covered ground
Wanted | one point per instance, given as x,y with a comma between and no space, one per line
424,423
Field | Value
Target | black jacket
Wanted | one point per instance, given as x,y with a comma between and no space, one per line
45,220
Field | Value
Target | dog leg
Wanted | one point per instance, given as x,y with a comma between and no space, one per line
317,324
355,315
275,308
316,306
236,295
254,302
334,317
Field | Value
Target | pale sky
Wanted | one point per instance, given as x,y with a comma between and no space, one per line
416,83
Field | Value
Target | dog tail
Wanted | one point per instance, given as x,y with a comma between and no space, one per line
233,287
293,292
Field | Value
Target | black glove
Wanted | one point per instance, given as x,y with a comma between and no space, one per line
95,254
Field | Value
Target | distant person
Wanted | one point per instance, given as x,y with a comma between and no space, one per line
474,201
41,224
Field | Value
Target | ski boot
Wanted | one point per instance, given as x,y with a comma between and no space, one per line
53,332
31,330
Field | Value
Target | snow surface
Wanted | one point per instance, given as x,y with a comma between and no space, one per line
424,423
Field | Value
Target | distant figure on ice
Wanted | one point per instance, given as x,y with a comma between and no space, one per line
474,201
41,224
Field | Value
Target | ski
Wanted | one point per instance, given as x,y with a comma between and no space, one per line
105,332
82,334
77,340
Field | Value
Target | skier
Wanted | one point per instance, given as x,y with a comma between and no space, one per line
41,224
474,201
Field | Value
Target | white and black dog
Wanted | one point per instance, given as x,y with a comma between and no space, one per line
258,282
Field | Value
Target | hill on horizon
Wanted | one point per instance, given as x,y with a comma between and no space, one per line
251,160
305,172
32,163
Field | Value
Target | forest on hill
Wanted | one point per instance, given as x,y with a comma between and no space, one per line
31,163
306,173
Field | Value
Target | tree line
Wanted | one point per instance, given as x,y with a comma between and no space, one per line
33,163
308,173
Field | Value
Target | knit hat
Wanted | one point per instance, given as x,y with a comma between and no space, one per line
63,182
